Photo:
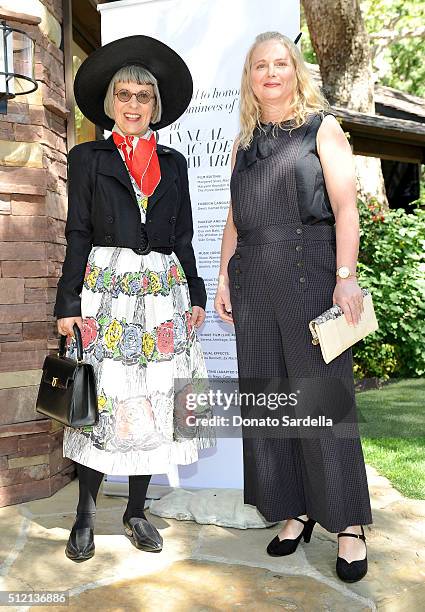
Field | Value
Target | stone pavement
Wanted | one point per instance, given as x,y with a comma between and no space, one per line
206,568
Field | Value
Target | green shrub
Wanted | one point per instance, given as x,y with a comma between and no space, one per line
392,266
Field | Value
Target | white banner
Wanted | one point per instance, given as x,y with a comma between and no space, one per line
213,37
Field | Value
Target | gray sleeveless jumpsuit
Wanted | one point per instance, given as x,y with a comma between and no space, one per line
281,276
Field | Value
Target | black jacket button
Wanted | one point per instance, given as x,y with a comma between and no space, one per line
172,239
109,219
172,219
149,220
108,238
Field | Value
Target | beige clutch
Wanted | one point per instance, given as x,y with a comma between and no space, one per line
333,333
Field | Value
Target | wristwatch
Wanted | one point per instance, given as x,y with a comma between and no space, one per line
344,272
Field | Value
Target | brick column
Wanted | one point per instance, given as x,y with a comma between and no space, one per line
32,246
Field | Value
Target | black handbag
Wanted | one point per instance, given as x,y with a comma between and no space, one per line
67,390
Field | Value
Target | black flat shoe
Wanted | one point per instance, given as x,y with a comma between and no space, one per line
80,546
280,548
142,534
353,570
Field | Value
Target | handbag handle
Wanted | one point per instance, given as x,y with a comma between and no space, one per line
62,342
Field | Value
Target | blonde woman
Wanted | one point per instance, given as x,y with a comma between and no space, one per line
289,252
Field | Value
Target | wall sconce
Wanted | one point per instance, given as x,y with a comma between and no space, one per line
16,64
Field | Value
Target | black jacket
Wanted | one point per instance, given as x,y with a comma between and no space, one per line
103,210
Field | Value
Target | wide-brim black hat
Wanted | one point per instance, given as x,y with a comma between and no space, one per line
95,73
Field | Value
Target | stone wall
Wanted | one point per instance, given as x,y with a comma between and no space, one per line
32,247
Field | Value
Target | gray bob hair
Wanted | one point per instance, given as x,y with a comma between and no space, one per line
133,74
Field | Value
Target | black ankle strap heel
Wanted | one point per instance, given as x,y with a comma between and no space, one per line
281,548
354,570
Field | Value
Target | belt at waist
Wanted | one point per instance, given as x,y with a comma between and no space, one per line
164,250
144,251
285,231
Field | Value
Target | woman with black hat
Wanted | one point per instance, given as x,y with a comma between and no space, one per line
129,280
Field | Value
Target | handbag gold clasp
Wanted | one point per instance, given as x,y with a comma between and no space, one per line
54,381
315,340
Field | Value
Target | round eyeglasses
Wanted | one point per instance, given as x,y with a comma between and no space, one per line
143,97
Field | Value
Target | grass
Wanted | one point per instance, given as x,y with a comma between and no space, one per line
392,426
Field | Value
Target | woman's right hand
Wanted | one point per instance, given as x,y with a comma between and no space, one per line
66,324
222,304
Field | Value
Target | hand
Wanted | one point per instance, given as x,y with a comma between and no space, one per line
222,304
348,295
198,316
66,324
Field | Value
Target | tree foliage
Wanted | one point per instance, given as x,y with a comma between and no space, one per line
397,35
392,266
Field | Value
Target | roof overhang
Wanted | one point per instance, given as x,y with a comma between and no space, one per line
384,137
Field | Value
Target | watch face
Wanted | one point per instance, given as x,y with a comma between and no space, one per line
344,272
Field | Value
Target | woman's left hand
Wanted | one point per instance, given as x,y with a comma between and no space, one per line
348,295
198,316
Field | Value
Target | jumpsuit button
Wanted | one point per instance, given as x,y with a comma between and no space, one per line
299,230
302,279
237,286
237,256
237,271
300,264
298,247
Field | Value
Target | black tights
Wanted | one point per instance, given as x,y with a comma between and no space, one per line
89,482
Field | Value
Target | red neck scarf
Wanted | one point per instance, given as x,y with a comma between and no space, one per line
141,160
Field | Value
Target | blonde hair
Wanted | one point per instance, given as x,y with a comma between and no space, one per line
307,97
133,74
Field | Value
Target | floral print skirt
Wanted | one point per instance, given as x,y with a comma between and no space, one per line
137,334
